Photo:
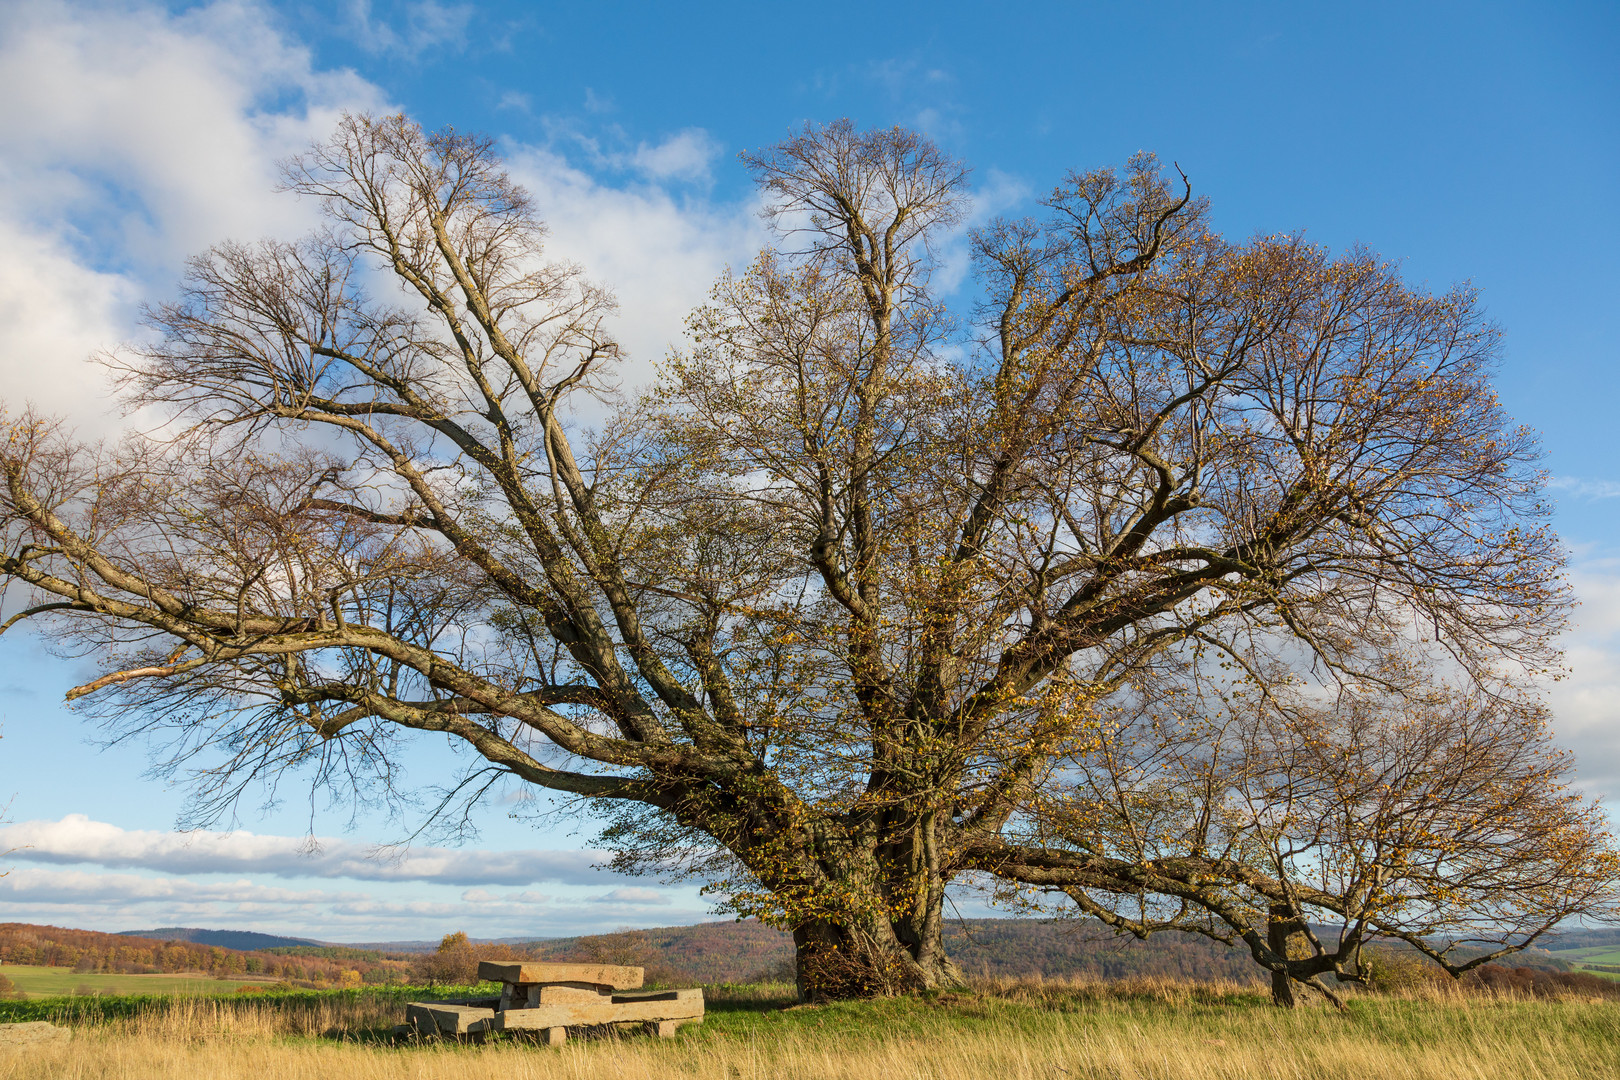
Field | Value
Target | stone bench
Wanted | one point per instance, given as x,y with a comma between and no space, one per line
551,998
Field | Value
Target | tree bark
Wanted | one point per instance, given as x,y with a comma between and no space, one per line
835,961
1280,929
860,954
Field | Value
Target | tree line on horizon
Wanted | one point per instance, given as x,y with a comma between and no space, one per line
92,951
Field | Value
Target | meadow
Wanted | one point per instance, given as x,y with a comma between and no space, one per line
1011,1030
36,980
1597,956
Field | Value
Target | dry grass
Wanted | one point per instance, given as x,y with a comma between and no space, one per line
1006,1030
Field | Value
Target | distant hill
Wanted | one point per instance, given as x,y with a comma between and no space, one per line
243,940
707,953
90,950
419,946
1563,940
1064,947
1005,948
748,950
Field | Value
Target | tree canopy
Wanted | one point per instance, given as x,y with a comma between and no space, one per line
861,595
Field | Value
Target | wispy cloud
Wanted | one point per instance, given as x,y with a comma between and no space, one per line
421,26
1581,488
79,839
516,100
927,90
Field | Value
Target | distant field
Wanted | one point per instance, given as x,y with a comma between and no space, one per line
52,981
1601,954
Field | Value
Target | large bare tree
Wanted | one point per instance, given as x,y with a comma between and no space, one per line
831,609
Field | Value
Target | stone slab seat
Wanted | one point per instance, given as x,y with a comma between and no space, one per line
444,1018
521,996
659,995
529,974
680,1006
32,1031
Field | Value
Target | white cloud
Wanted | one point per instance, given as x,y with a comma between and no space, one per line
130,139
683,156
515,99
134,137
1586,705
636,895
55,312
153,135
78,839
659,254
424,25
28,885
1589,490
129,901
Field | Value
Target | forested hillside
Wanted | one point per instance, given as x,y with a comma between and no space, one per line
244,940
88,950
707,953
736,951
704,954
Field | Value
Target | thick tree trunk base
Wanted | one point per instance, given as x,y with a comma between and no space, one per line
1282,990
836,963
1280,928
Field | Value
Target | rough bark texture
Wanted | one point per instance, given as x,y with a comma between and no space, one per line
871,957
1281,928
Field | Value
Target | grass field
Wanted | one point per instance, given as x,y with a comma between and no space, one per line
1601,954
1613,975
1144,1030
45,981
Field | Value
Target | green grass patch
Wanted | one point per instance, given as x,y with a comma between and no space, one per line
1600,972
1597,954
760,1012
58,981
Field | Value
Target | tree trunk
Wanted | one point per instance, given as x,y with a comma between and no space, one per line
857,955
1280,929
842,961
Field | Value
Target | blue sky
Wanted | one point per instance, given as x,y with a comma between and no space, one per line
1476,141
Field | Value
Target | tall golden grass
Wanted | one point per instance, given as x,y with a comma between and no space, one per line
1005,1030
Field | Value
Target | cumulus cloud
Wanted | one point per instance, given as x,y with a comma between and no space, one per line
133,137
659,254
683,156
78,839
636,895
80,886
